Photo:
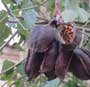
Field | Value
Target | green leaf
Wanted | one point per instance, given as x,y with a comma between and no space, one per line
71,4
73,11
27,3
20,69
29,18
19,83
52,83
69,15
15,10
4,30
17,46
7,1
83,15
28,15
50,7
39,82
74,82
23,33
2,14
7,64
71,84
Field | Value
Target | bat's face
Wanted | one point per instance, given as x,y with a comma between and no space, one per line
65,31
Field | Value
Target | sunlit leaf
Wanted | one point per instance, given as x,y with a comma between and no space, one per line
4,30
7,64
19,83
23,32
50,6
2,14
7,1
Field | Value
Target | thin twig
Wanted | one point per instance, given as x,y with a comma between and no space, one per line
5,44
12,67
16,80
12,21
29,8
83,33
25,8
8,10
19,10
88,35
13,81
81,43
12,84
87,29
7,81
3,18
10,13
35,6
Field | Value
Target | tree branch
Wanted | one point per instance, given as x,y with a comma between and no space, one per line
12,67
5,44
35,6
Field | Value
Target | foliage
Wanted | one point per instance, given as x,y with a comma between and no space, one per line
8,73
21,15
4,30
